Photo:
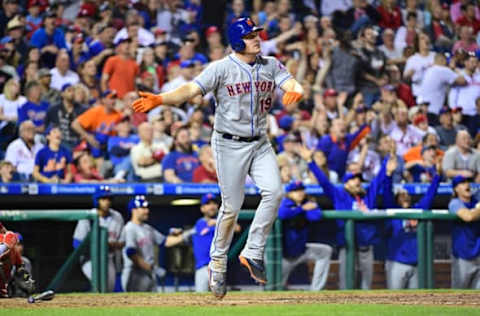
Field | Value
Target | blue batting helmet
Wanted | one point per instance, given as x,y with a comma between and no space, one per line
136,202
103,191
238,29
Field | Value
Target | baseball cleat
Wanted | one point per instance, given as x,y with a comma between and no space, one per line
255,268
217,282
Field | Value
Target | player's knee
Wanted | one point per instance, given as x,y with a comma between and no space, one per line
275,193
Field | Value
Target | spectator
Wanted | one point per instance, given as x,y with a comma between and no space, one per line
34,109
296,211
101,46
418,63
63,114
386,145
10,102
120,70
355,18
179,164
390,15
22,151
159,131
404,134
338,144
436,81
462,159
291,144
15,31
423,170
392,51
6,171
49,38
86,172
9,9
466,96
119,147
62,74
96,124
205,172
446,131
146,156
365,157
441,30
132,21
467,41
53,162
406,34
321,161
411,6
469,18
48,94
78,52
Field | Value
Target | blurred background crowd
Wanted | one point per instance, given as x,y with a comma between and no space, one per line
379,77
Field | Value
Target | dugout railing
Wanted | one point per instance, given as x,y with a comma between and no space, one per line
97,239
424,241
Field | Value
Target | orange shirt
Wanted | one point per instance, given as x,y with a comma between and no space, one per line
97,120
122,73
415,153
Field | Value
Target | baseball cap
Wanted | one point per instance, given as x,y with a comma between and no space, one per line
425,148
137,202
44,72
122,40
66,86
457,180
349,176
330,93
14,23
187,63
206,198
444,110
422,118
6,39
211,30
457,109
295,186
286,122
78,38
290,138
109,94
19,237
103,191
49,129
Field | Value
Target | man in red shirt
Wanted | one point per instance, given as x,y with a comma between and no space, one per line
205,173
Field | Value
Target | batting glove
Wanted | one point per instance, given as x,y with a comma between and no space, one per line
291,97
146,102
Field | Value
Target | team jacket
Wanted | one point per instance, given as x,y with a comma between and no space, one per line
295,226
401,243
366,232
465,236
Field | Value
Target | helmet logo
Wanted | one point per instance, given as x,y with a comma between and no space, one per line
249,22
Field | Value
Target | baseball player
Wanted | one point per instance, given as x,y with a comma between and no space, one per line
353,197
465,235
244,85
111,220
296,210
140,270
401,264
11,265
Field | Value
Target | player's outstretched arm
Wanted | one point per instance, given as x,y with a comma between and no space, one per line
293,91
148,101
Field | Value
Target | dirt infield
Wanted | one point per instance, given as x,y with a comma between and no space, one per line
253,298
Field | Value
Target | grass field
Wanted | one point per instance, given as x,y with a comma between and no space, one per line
438,302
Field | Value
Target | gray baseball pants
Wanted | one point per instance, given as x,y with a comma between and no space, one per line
401,275
234,161
363,264
466,273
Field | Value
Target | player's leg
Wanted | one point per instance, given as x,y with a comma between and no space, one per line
320,254
111,274
460,273
287,266
476,274
87,269
342,268
201,279
413,282
266,175
365,262
397,275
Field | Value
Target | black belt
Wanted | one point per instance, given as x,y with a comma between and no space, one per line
240,138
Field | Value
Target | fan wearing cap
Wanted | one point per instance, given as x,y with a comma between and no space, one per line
465,235
49,38
140,269
446,131
296,212
401,235
34,109
113,222
355,198
424,169
120,70
98,123
53,161
34,18
202,239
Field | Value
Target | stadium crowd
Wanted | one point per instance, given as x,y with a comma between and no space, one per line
381,78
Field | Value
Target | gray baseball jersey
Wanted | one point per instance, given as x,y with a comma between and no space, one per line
113,223
244,93
143,239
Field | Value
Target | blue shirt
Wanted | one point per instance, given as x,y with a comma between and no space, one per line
34,112
337,151
53,163
119,147
402,244
183,164
202,239
40,38
366,232
465,236
295,226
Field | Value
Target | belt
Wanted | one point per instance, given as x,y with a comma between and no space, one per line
240,138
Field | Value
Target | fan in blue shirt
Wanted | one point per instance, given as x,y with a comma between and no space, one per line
34,109
179,164
465,235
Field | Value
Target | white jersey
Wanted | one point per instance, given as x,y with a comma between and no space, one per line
244,92
142,238
113,223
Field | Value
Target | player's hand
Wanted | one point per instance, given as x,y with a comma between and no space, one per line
309,206
305,153
291,97
146,102
392,164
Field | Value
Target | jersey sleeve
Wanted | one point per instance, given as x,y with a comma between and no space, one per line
129,238
455,205
168,162
158,237
82,229
209,78
280,73
87,118
449,75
